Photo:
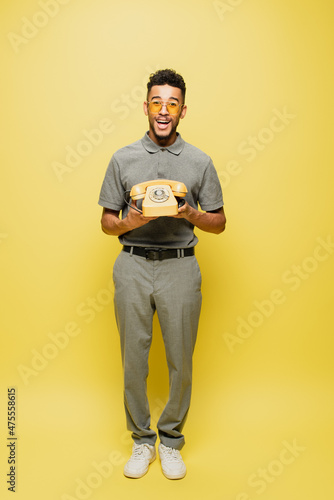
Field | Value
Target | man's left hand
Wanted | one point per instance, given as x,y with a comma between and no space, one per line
183,212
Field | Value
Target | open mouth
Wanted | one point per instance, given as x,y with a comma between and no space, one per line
162,124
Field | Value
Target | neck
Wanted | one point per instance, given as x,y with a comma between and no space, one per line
162,141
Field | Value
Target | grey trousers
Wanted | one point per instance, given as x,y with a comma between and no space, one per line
172,287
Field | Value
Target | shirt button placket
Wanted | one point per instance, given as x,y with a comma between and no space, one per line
163,161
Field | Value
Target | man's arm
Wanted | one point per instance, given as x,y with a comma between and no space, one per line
113,225
211,222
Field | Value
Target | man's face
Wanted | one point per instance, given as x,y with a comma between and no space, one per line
163,123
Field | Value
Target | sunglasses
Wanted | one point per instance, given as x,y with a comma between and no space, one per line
155,106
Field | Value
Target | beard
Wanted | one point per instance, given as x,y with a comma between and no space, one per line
161,136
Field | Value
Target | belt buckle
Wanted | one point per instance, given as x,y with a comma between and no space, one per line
153,253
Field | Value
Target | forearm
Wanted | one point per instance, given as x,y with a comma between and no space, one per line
114,226
211,222
111,223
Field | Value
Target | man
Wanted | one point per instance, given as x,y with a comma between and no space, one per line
167,279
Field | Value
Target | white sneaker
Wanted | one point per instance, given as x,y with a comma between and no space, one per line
142,456
171,462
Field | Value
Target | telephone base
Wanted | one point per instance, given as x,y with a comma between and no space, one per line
159,197
159,201
159,211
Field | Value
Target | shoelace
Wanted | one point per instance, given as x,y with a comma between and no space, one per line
139,451
172,455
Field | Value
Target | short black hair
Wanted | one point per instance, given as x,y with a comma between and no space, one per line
167,77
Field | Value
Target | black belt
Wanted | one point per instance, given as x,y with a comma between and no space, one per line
160,253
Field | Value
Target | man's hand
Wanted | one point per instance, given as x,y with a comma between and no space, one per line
184,211
136,219
211,222
113,225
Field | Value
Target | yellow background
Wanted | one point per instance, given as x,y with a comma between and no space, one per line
85,66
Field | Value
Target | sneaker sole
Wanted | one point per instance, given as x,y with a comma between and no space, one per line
168,476
138,476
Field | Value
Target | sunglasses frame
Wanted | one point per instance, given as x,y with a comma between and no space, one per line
165,103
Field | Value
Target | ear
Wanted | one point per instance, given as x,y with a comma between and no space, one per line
183,112
145,108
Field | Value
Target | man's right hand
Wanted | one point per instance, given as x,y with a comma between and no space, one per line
136,219
113,225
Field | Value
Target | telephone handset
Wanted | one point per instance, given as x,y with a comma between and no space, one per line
159,196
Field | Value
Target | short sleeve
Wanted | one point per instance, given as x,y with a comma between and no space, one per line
210,196
112,190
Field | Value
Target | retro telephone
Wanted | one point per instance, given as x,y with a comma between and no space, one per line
159,196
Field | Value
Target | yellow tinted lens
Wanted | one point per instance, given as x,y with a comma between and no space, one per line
155,106
172,107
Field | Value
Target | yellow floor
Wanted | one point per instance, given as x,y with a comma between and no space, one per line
251,440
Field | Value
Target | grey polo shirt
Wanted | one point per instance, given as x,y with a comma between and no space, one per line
144,160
